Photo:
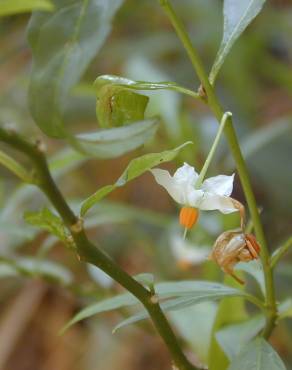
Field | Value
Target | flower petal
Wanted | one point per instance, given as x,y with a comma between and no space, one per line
220,185
211,202
186,175
164,179
193,196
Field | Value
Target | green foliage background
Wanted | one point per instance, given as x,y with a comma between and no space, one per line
137,224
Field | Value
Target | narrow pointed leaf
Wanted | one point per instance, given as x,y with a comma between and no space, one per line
47,220
135,168
116,141
237,16
184,294
122,300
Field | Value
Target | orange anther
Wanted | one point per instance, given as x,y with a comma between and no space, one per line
188,217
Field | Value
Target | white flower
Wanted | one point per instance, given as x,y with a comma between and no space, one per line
213,194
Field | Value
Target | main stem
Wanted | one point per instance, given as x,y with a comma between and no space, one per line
211,99
88,251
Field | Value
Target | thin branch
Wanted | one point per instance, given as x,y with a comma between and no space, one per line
88,251
280,252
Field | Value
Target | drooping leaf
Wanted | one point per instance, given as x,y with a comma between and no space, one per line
135,168
63,44
47,220
104,80
257,355
116,141
10,7
237,16
118,106
121,300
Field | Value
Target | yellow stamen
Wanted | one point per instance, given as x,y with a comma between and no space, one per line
188,217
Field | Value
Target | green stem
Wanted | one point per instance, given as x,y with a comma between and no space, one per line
15,167
280,252
212,150
88,251
213,102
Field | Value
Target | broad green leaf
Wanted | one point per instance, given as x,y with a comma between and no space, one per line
237,16
257,355
10,7
45,219
121,300
135,168
116,141
63,44
118,106
193,320
233,337
103,80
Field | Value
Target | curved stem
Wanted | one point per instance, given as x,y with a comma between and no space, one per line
88,251
280,252
214,104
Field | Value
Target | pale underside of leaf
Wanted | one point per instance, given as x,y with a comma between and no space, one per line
257,355
237,16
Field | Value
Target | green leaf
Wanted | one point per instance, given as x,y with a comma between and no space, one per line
233,337
103,80
45,219
114,142
237,16
34,267
257,355
10,7
193,320
217,359
63,44
255,269
118,106
121,300
145,279
135,168
15,167
187,294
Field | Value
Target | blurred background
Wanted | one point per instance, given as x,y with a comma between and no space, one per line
42,282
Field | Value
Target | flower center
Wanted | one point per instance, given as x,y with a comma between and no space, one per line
188,217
